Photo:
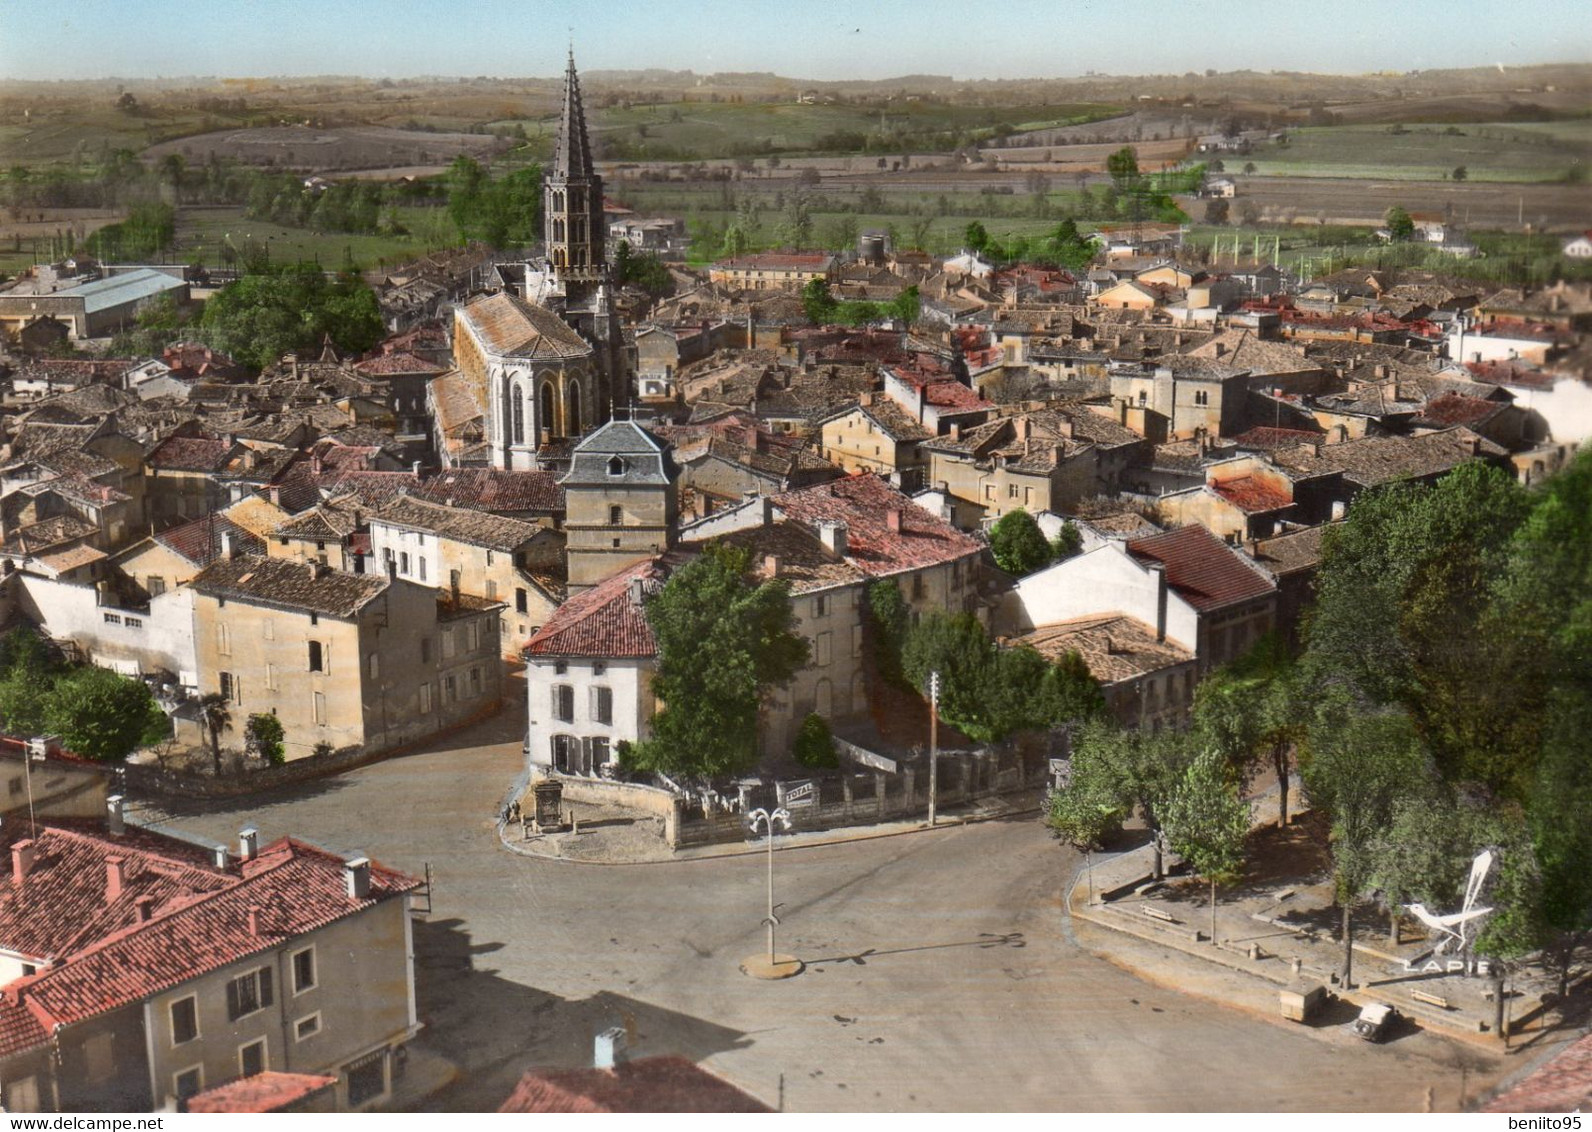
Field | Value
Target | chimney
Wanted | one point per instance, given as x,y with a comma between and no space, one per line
21,861
115,878
833,536
770,565
865,399
254,919
415,468
356,877
1253,545
956,430
1475,446
1221,349
312,568
229,544
750,438
638,591
115,824
275,496
1159,570
145,906
1339,509
219,857
248,844
892,520
609,1049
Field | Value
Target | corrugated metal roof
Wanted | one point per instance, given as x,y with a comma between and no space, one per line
115,290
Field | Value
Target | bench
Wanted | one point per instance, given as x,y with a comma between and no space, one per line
1436,1000
1157,914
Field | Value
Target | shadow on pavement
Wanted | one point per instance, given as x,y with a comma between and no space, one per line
494,1029
985,940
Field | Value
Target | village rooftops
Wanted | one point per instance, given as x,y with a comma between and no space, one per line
1375,460
262,1092
794,555
891,419
493,489
1115,646
1293,552
509,327
300,587
649,1084
190,454
778,261
1204,571
606,621
201,541
886,533
47,534
461,524
1243,349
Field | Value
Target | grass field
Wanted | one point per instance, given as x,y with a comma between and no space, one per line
202,233
1494,151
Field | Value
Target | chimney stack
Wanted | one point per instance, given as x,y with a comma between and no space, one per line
1158,570
115,878
219,857
356,877
770,566
609,1049
1339,509
229,544
415,468
834,537
892,520
248,844
254,919
21,861
115,821
145,906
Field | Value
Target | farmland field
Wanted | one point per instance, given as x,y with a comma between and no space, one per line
203,233
1492,151
328,150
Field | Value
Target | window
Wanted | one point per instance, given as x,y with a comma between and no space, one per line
231,688
564,703
521,601
454,579
450,647
188,1082
315,619
563,749
403,562
268,630
475,682
307,1027
1144,398
317,656
16,786
918,588
318,702
560,667
856,640
491,590
98,1062
22,1095
303,970
602,705
616,466
825,645
223,639
112,618
450,690
425,699
251,1058
1201,397
155,586
599,751
989,491
820,605
270,677
367,1078
1011,491
422,567
425,650
616,515
248,993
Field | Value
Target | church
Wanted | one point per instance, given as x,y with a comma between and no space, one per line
547,364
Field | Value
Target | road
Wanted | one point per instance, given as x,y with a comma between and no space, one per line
941,972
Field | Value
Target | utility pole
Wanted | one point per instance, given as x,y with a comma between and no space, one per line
934,744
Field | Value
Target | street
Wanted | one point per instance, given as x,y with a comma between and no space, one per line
941,973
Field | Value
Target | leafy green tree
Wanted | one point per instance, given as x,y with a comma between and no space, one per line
1089,809
103,715
265,315
1400,227
723,642
263,735
1207,822
888,618
23,699
956,647
1360,764
976,237
1250,712
1460,173
642,269
1123,165
818,303
1017,543
908,305
1068,542
815,746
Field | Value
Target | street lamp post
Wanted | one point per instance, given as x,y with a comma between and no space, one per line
767,820
934,744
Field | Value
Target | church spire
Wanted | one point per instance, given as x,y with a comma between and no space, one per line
572,150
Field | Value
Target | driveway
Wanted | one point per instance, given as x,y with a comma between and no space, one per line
941,972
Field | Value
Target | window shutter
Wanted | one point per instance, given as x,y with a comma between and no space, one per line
265,986
234,1008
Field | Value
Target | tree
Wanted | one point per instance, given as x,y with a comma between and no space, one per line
819,305
976,237
263,736
1017,543
1249,168
22,703
887,616
1460,173
724,641
1400,227
1067,543
216,716
1207,822
1250,712
1360,764
103,715
1249,212
815,746
1123,165
265,315
1216,211
1088,809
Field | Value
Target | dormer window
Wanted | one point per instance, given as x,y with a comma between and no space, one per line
616,466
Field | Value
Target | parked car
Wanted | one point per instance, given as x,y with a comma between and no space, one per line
1375,1020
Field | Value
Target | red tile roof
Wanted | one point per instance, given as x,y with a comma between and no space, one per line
1253,495
493,489
200,541
295,889
189,454
864,503
1564,1084
397,362
651,1084
263,1092
1203,570
1457,409
953,395
1268,438
604,621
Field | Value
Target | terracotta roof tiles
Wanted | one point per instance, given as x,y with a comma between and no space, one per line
1203,570
604,621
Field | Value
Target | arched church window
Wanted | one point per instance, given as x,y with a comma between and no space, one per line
573,422
519,420
547,421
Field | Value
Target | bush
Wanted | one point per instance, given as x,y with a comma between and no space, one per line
1018,544
815,746
263,735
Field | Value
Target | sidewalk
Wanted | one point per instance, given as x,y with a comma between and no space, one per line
609,836
1277,932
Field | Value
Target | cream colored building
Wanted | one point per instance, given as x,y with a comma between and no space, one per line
876,435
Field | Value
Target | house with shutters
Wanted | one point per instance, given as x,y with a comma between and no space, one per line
138,969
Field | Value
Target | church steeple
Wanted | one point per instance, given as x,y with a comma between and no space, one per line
572,150
573,200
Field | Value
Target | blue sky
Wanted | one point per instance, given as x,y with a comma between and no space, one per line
819,39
